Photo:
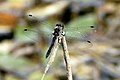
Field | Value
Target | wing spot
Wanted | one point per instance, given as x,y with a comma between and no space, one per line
25,29
92,26
30,15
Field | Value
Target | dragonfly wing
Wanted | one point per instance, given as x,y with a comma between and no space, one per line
79,33
42,26
47,27
25,34
43,29
81,26
83,38
31,35
51,46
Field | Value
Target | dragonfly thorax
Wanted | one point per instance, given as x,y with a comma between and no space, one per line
58,30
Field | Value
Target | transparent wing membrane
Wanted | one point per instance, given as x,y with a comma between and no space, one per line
77,30
82,36
80,29
36,28
80,26
31,34
79,33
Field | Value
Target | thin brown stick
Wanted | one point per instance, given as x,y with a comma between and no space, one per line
66,58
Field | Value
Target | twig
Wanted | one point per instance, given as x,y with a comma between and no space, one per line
66,58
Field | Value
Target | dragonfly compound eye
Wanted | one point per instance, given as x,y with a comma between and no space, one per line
57,24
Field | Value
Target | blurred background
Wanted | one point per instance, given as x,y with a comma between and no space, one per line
22,54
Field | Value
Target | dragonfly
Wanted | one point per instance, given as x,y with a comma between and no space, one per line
59,30
74,30
71,31
58,35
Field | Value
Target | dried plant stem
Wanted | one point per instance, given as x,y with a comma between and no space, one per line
66,58
51,58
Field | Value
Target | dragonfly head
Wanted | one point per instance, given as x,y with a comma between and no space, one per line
59,25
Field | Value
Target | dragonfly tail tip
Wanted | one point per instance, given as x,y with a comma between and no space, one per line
46,56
